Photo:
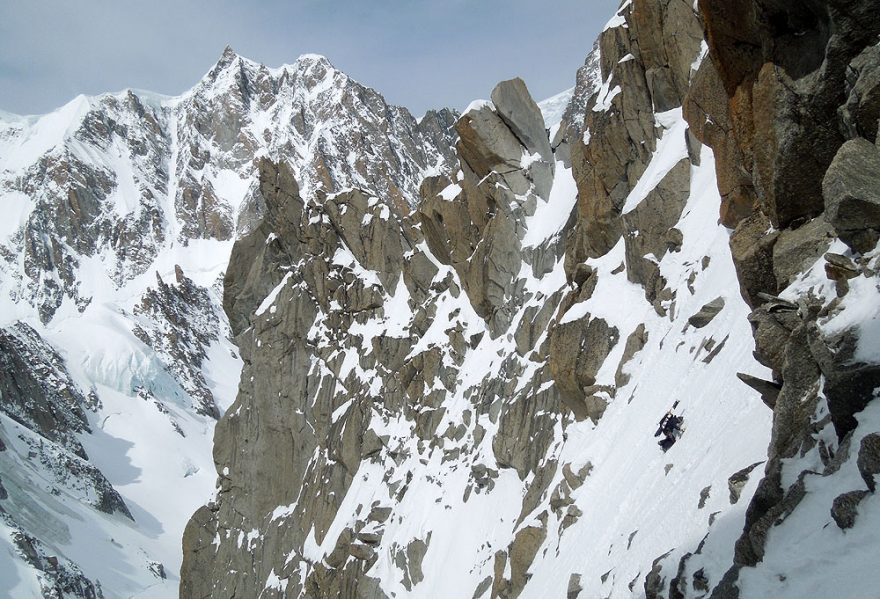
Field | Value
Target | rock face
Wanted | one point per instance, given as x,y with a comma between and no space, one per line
40,441
644,70
312,284
587,81
456,401
477,223
852,194
786,101
187,163
37,391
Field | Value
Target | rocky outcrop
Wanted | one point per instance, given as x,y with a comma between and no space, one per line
851,189
44,417
315,281
707,313
462,362
56,577
37,391
181,324
587,81
288,235
644,69
476,223
577,351
784,100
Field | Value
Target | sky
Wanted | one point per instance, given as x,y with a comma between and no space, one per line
418,53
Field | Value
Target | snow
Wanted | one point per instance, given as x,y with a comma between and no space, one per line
528,160
16,208
42,135
605,95
619,19
671,149
551,216
613,286
859,310
478,105
450,192
727,425
553,108
822,547
231,187
633,486
137,440
273,295
637,502
125,198
222,371
704,52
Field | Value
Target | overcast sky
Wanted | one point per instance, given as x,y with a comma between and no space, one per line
417,53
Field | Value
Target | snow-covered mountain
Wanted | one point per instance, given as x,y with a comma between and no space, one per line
462,401
120,215
442,348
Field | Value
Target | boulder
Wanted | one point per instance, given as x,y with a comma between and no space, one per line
361,552
447,225
769,390
751,247
771,328
518,110
861,112
849,383
577,351
738,480
869,459
795,249
522,553
486,143
851,189
634,344
649,226
707,313
846,507
796,403
574,587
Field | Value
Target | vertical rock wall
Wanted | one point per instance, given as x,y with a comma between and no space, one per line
788,102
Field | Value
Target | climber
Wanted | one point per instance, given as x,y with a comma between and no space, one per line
670,427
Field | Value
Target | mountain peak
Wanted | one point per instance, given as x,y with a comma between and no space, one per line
228,56
314,59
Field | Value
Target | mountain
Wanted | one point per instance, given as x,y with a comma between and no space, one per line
463,400
441,351
122,210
